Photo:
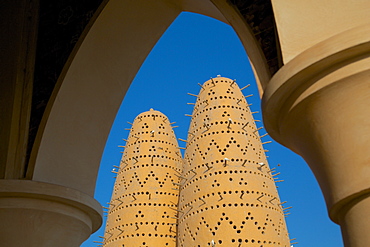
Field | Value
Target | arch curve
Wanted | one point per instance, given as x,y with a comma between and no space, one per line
91,90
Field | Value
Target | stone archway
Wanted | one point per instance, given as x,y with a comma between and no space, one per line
65,155
97,78
81,111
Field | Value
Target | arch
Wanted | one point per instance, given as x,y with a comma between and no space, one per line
75,127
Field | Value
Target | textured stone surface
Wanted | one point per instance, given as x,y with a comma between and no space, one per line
144,201
228,195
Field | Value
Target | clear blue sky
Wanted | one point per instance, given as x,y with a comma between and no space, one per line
191,51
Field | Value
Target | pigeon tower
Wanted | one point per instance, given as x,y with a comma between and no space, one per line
228,195
142,211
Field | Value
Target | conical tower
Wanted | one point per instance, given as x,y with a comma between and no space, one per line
228,196
142,210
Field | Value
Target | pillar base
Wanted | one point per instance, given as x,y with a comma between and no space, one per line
36,214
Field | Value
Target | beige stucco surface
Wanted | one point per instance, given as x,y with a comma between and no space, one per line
37,214
302,24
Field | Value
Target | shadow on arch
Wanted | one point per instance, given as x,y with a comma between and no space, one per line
94,82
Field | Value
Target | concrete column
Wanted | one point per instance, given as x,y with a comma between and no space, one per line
18,27
37,214
318,106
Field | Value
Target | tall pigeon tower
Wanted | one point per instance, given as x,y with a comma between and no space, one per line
228,195
142,210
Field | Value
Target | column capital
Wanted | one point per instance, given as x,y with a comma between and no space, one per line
308,68
42,214
317,105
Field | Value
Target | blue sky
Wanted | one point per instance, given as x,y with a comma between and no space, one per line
192,50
